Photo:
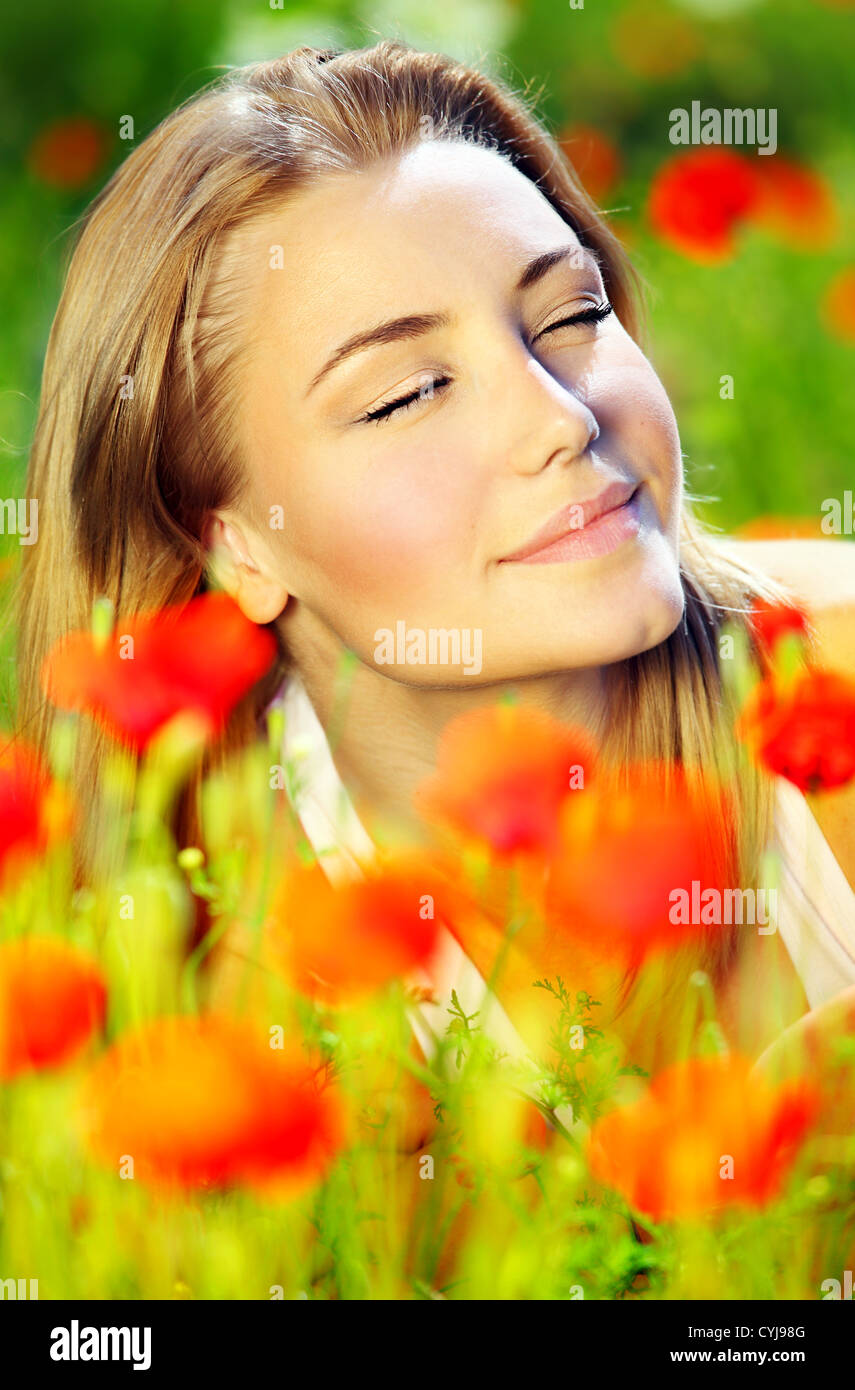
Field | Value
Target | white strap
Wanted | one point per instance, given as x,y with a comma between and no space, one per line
340,840
816,905
319,797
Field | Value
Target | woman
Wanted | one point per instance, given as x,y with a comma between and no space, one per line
345,333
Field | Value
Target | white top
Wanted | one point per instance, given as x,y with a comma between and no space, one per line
815,903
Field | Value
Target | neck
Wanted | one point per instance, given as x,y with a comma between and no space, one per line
384,735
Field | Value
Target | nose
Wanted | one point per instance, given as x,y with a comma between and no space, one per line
547,419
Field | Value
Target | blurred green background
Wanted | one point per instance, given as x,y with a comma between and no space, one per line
781,445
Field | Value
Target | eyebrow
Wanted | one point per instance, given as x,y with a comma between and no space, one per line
417,325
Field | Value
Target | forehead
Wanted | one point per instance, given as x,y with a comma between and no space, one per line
441,215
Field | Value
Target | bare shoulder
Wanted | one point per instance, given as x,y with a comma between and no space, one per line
821,573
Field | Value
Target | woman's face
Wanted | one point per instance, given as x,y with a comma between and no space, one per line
521,430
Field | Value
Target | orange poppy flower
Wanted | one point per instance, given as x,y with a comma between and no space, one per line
838,305
204,1101
769,622
636,861
794,202
201,656
502,773
594,157
697,199
804,730
347,941
34,810
53,998
706,1134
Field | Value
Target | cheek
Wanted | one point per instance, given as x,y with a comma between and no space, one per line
657,430
632,401
632,404
659,441
405,520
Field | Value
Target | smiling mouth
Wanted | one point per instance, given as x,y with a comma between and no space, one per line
584,529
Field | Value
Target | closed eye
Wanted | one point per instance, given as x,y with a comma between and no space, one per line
383,412
595,314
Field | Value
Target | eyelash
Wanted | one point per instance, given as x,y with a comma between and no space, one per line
595,314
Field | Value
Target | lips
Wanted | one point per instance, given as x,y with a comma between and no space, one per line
577,516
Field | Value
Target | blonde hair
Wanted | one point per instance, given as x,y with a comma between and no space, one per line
125,486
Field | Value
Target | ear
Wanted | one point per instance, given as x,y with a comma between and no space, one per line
239,562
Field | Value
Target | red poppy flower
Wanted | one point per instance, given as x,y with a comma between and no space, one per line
838,305
34,810
803,730
206,1102
68,153
347,941
502,773
594,157
636,861
706,1134
794,202
201,656
637,872
698,199
52,999
770,622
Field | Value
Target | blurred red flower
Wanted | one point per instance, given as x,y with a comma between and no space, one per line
706,1134
636,871
502,772
698,198
52,999
769,622
629,857
68,153
34,810
803,730
346,941
594,157
200,656
205,1101
794,202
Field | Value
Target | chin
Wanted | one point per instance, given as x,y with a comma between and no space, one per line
650,629
624,631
